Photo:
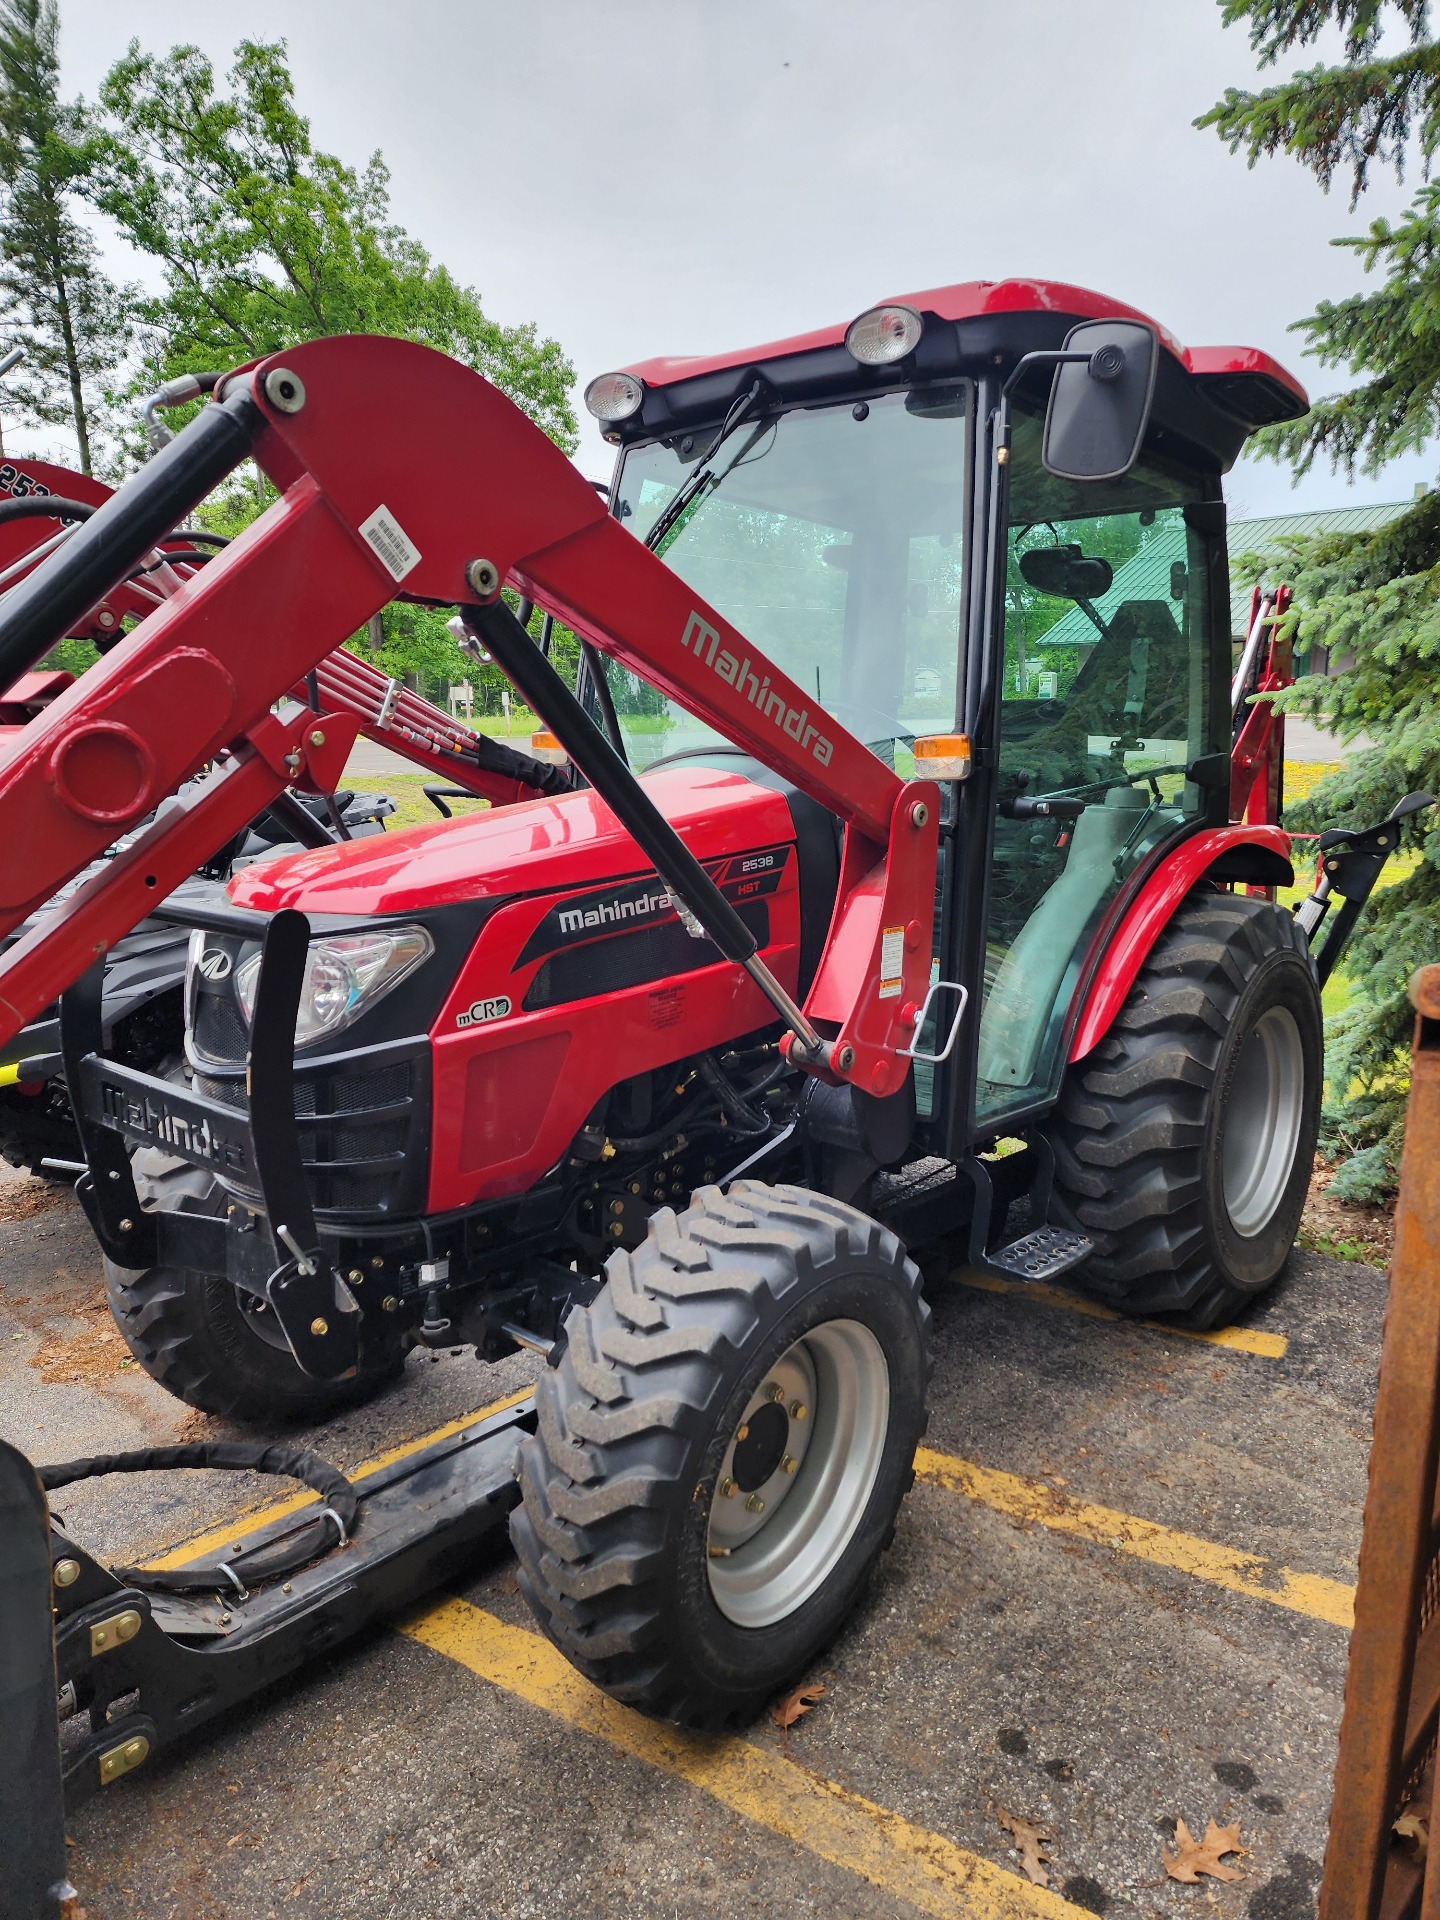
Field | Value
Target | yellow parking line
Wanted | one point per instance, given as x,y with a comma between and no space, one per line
244,1523
1033,1500
905,1861
1270,1346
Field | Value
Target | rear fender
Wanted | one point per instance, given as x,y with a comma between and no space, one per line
1258,854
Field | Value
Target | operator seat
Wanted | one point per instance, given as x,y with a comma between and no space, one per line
1135,685
1136,681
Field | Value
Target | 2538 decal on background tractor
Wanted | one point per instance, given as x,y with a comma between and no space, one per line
910,877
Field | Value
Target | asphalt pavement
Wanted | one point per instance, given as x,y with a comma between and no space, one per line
1118,1595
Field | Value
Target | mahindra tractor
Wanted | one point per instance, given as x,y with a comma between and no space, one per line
901,870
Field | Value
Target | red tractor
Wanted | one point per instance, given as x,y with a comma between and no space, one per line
895,888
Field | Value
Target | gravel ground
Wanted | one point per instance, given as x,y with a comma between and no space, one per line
995,1664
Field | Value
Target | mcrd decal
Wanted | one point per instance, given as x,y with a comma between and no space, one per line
479,1011
701,639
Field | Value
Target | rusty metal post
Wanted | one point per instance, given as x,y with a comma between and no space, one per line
1392,1688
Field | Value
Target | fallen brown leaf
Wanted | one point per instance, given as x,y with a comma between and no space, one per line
1411,1826
787,1710
1029,1844
1193,1857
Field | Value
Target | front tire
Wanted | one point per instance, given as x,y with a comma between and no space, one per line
200,1339
1184,1143
722,1450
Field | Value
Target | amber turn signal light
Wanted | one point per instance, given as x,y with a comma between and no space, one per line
544,746
943,756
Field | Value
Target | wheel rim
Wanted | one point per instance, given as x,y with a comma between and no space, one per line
1261,1121
798,1473
259,1319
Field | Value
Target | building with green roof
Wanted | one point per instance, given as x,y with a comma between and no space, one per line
1147,575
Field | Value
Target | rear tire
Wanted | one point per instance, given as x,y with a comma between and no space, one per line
1184,1143
200,1339
688,1539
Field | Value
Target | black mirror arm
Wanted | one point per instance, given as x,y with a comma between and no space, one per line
1054,357
1051,357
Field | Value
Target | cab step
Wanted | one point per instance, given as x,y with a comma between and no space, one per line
1043,1254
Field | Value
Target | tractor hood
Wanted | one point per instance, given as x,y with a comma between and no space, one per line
536,846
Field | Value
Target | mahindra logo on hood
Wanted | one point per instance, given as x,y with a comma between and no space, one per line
215,963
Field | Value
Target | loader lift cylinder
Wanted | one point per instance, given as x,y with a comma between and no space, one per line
100,554
496,628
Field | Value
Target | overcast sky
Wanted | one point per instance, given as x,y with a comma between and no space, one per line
677,176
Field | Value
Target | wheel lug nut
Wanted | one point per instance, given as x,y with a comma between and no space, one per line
754,1504
798,1410
743,1433
728,1488
774,1391
789,1463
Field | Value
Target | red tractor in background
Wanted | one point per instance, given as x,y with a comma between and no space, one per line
894,890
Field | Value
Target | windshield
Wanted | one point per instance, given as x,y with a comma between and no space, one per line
833,538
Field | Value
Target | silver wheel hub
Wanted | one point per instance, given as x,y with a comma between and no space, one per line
1262,1121
798,1473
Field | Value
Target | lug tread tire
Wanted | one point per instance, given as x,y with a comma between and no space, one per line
1131,1125
642,1377
187,1330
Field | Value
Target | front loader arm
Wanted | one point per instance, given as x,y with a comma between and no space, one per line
398,471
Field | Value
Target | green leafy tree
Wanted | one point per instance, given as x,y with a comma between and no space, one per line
1375,596
55,301
265,240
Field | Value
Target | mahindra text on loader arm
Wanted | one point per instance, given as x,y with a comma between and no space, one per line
896,823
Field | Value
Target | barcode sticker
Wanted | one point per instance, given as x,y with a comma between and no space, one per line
398,553
892,962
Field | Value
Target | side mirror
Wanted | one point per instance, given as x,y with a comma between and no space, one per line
1099,406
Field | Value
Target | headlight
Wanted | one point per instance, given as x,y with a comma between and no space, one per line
345,974
883,335
614,396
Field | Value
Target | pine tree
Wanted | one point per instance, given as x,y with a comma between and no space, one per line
1375,595
67,314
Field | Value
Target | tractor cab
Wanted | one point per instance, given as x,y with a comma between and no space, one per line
917,519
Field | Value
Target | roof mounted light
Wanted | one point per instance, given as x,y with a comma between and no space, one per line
884,335
614,396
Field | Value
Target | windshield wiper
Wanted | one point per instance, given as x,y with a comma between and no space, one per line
704,472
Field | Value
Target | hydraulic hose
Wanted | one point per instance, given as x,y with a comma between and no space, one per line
101,553
260,1563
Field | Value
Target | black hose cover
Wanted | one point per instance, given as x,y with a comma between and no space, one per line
328,1529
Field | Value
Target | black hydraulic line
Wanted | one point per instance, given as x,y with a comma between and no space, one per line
45,506
173,557
234,1456
101,553
545,693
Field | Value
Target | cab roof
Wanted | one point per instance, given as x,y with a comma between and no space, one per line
1232,391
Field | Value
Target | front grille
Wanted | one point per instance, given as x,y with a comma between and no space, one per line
380,1087
229,1092
219,1033
348,1117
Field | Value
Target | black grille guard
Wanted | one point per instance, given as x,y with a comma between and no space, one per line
258,1145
